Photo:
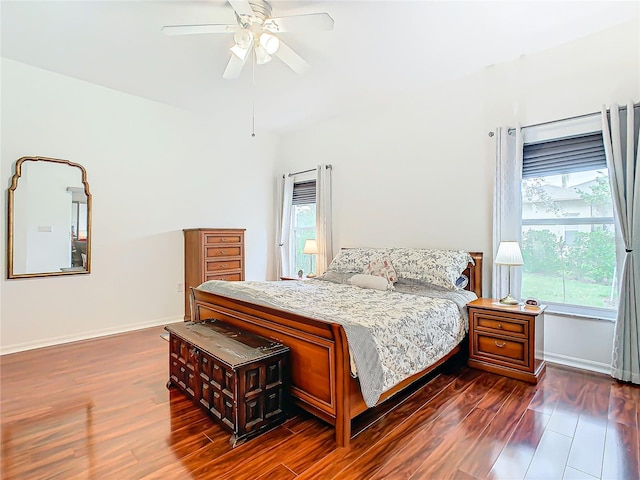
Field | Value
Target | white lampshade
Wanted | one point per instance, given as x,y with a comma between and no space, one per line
262,56
269,42
243,38
509,254
310,246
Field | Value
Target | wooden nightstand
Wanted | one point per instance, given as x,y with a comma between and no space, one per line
507,340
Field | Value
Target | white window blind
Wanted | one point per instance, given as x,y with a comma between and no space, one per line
578,153
304,193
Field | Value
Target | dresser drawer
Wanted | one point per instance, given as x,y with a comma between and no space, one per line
222,239
230,277
222,251
222,266
502,325
512,352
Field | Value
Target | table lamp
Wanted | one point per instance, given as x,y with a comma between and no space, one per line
509,254
310,248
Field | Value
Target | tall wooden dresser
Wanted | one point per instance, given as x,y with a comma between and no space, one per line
211,254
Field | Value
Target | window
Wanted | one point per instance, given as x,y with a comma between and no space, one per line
568,229
303,226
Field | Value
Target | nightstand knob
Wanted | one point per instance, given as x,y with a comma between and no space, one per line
500,326
500,345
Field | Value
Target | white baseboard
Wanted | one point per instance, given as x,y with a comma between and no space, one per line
578,363
20,347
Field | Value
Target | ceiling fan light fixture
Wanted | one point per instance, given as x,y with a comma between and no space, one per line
243,38
262,56
269,42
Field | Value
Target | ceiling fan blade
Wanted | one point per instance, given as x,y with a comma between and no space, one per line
234,67
197,29
242,7
300,23
292,59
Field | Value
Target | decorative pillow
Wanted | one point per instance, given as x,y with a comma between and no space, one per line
370,281
335,277
441,268
381,267
354,260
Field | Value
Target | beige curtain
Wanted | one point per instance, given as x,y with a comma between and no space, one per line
507,210
282,249
324,230
620,131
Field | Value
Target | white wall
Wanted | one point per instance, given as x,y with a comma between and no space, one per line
152,170
420,172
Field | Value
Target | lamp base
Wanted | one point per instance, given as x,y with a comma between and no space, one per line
509,300
311,275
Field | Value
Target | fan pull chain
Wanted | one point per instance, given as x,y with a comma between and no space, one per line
253,87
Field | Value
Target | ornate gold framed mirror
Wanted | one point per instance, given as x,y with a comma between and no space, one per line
49,219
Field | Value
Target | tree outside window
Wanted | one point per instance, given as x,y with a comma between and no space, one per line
568,239
303,228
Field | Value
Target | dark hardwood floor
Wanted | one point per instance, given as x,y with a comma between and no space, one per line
99,409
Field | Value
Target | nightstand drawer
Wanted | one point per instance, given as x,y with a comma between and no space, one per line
501,324
511,352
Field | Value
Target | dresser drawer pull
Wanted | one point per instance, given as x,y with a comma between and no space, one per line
500,345
224,265
223,239
222,252
500,326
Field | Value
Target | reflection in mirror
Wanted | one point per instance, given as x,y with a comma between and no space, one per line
49,218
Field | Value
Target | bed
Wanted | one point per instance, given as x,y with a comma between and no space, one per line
325,379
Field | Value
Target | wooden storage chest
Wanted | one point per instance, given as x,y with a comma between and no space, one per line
239,378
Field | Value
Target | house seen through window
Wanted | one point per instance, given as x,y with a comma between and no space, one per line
568,229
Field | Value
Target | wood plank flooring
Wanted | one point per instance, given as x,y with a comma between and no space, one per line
99,409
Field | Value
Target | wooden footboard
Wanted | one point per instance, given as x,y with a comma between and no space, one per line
319,353
320,369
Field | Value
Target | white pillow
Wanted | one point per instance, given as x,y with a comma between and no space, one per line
370,281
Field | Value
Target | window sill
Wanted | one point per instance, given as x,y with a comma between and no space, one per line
582,313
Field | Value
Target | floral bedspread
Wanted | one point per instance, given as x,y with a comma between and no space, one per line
391,334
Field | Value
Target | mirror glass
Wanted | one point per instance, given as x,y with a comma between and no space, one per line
49,219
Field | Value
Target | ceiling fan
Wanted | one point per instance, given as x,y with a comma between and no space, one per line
255,34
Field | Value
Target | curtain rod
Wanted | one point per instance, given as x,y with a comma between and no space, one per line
624,107
307,171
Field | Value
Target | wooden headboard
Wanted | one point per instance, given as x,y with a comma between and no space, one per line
474,272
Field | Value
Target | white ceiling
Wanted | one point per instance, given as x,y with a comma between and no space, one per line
376,49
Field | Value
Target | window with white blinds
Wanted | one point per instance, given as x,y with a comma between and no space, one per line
568,230
303,226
